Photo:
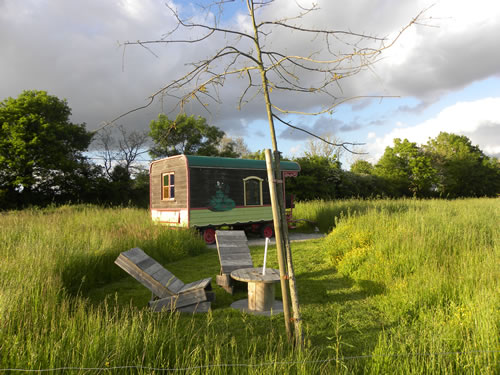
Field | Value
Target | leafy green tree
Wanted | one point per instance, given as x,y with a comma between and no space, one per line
186,135
319,178
408,169
362,167
463,169
40,149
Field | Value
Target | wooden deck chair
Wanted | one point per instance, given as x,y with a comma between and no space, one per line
171,293
232,246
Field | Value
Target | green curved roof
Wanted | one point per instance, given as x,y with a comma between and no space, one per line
218,162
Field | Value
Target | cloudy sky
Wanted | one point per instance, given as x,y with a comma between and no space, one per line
443,75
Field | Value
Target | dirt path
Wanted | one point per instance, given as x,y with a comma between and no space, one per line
256,240
294,237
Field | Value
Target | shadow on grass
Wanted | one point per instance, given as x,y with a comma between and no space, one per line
332,305
126,291
339,311
327,286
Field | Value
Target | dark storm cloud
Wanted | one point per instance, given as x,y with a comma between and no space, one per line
352,126
449,62
318,126
71,50
416,109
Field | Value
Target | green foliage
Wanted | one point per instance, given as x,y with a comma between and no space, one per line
321,178
463,169
448,166
185,135
318,178
361,167
257,155
408,169
40,149
120,189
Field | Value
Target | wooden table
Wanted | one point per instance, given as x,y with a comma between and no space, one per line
260,291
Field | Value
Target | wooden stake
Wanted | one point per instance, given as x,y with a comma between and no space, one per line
299,340
279,241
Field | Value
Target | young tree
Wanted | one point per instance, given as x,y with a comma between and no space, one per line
270,71
121,149
131,145
41,151
105,144
124,182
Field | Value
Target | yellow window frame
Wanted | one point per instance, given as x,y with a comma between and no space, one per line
168,190
245,180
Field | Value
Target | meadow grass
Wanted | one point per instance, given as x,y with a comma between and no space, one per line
399,286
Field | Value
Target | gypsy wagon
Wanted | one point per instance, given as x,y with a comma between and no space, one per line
211,192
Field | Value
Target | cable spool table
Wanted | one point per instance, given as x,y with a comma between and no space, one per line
260,291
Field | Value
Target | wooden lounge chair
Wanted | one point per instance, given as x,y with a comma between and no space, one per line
232,246
171,293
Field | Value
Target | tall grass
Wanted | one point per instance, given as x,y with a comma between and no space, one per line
51,258
439,263
398,286
324,214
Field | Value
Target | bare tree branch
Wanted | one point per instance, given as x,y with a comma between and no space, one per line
331,107
122,149
130,146
279,71
343,144
318,31
112,122
105,144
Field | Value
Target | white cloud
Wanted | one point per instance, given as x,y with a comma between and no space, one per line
479,120
295,150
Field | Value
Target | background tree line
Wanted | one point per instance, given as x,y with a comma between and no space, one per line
448,166
47,159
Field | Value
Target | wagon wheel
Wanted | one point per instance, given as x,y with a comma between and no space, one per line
209,235
267,230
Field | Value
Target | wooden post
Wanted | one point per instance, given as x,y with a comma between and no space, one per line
272,176
288,256
279,241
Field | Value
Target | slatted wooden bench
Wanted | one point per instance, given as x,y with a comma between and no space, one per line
171,293
232,246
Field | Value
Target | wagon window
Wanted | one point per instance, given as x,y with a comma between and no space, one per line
253,191
168,186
